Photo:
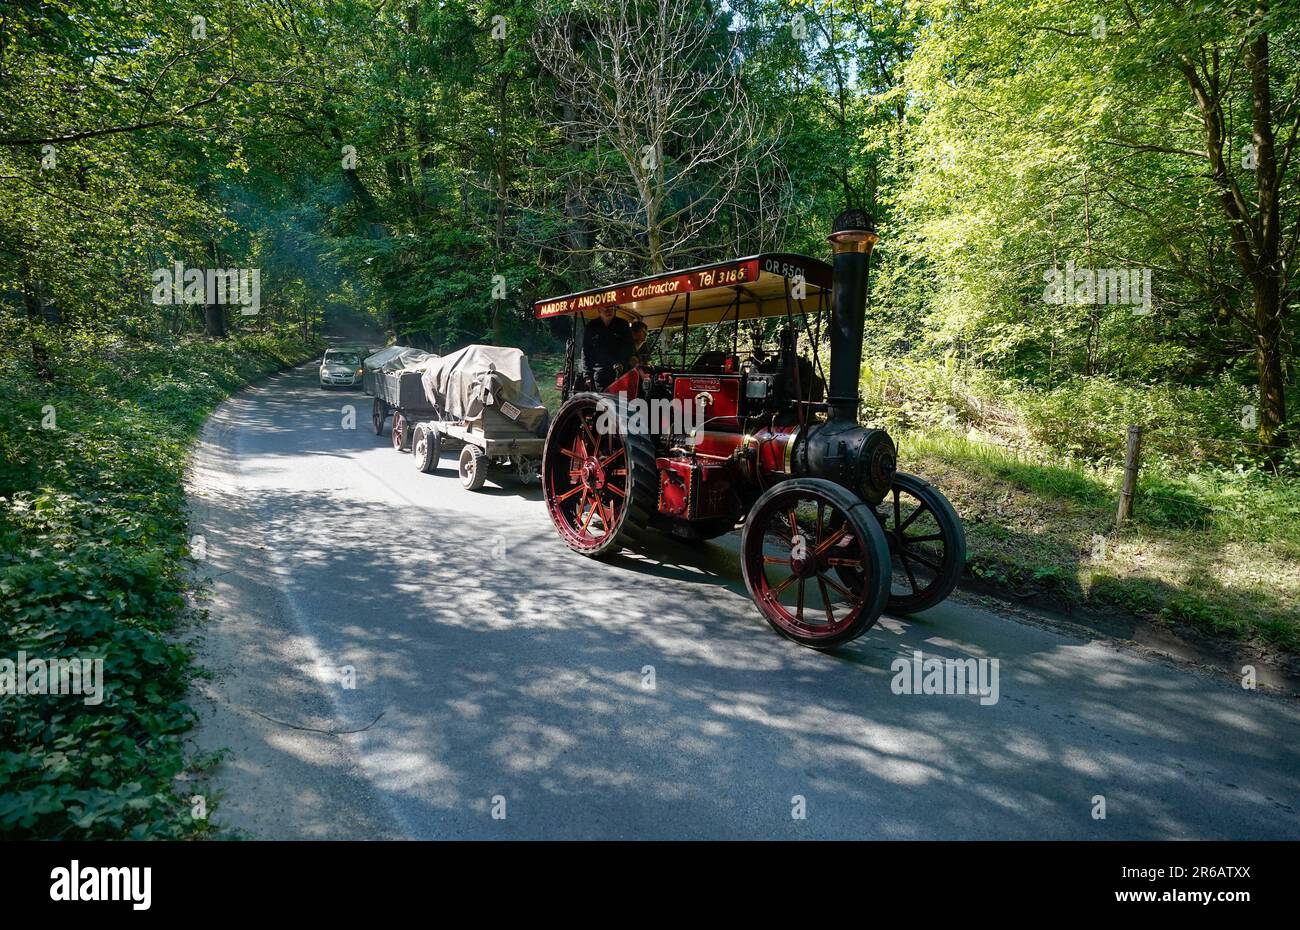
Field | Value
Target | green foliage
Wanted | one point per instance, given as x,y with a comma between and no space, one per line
919,393
1172,504
994,140
1184,428
1188,426
93,563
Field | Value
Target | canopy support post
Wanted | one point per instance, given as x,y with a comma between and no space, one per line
686,322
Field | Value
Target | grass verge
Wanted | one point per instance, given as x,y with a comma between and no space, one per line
1217,550
93,565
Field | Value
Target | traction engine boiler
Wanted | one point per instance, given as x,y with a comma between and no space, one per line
710,434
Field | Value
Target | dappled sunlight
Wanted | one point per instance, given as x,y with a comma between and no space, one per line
606,698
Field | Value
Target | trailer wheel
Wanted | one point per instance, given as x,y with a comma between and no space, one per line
379,413
401,437
797,536
601,485
473,467
427,446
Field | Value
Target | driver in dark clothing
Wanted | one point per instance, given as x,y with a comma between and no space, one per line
606,348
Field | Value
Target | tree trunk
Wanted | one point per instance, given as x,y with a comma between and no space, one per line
214,321
1255,234
1267,281
214,314
1268,362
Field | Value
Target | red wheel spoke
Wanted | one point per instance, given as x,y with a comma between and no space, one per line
798,613
826,601
613,455
784,584
830,541
595,443
845,563
775,560
567,494
571,454
616,489
853,598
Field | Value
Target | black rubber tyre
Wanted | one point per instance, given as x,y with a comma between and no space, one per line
796,538
378,414
427,448
614,473
473,468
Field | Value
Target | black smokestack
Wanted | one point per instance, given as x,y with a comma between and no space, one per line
852,235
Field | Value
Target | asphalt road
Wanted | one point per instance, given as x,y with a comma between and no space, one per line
394,656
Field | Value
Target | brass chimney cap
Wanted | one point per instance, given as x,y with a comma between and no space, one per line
853,231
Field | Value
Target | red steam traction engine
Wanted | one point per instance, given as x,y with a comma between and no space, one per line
833,534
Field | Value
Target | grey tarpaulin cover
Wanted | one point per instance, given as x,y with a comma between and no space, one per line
395,358
466,381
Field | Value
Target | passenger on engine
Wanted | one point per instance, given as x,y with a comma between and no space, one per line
639,333
606,347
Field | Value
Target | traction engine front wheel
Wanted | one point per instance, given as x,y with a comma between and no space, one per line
926,543
798,537
600,483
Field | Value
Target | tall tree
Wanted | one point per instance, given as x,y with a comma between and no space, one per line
653,95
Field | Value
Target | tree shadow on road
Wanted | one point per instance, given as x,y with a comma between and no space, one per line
644,696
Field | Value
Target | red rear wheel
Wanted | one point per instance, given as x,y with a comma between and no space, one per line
599,482
796,538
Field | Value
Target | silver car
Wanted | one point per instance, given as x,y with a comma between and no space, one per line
340,368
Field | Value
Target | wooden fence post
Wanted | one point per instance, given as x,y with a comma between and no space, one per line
1130,475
